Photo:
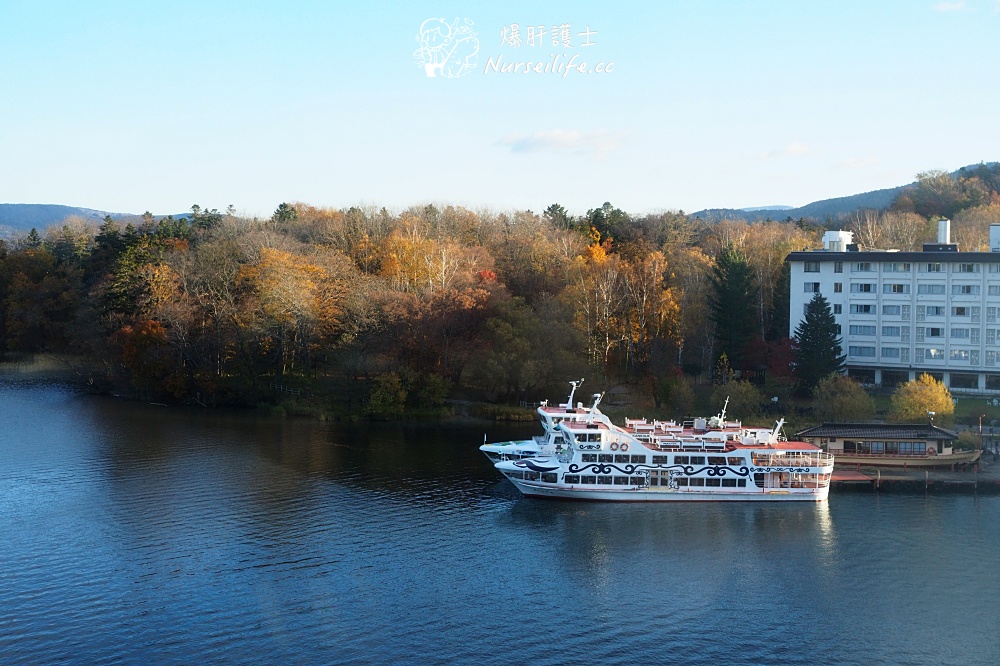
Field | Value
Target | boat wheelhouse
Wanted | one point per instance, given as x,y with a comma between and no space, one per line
598,462
550,439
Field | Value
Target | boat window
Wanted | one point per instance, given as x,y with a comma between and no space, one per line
588,479
713,482
681,460
735,460
742,483
654,481
571,478
621,458
621,480
638,459
716,460
589,457
514,475
729,483
532,476
682,482
550,477
605,480
697,460
605,457
697,482
758,479
660,460
638,480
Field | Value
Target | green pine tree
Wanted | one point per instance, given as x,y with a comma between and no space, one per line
731,305
816,346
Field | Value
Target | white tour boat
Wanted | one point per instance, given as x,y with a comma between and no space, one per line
710,460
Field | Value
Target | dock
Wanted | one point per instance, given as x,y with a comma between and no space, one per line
982,477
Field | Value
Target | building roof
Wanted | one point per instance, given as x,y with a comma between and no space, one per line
885,255
878,431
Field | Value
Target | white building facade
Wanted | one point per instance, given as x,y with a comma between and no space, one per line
902,314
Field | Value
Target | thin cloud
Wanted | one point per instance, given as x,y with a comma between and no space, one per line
858,162
794,149
950,6
597,143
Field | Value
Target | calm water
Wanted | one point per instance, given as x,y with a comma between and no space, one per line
133,533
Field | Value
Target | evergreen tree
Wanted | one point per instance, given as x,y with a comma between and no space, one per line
778,329
816,345
731,305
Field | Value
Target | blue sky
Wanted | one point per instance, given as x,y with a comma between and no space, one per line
129,106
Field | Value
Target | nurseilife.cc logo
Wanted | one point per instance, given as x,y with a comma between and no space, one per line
447,49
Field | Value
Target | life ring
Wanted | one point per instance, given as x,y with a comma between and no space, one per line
614,446
624,446
931,451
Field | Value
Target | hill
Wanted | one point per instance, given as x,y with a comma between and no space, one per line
818,210
22,217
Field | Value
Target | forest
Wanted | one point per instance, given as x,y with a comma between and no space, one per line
376,311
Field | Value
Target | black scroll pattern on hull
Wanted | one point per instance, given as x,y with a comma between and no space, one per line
687,470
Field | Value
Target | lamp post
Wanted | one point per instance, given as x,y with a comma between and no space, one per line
981,417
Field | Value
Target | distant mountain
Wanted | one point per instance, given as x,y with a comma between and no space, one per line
22,217
817,210
756,208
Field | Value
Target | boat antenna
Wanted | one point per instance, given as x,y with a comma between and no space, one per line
722,416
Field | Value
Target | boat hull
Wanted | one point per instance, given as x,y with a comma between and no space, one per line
576,493
869,460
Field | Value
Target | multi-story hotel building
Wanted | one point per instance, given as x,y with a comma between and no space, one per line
901,314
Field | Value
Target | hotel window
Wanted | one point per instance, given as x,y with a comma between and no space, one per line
838,309
961,311
935,310
811,287
858,329
934,353
964,289
862,267
994,268
838,267
865,308
960,333
838,287
811,267
862,288
965,268
890,331
994,290
959,354
935,332
930,288
857,350
932,268
897,267
890,352
890,310
895,288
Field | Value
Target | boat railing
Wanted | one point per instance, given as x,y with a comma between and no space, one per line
777,460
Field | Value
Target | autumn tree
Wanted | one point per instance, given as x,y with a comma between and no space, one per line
917,399
816,345
840,398
745,400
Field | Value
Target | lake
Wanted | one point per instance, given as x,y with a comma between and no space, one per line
138,533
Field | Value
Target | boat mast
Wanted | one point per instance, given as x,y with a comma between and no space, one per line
575,385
